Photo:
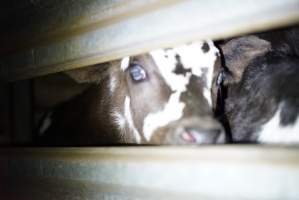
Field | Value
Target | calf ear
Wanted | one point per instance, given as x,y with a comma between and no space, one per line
239,52
90,74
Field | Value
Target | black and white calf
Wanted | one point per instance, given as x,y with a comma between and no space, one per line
262,79
163,97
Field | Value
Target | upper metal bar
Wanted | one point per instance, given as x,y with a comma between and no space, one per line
53,37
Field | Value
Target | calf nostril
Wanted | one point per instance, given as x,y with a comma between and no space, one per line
188,137
193,135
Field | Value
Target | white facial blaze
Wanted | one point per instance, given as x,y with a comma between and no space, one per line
125,63
172,111
129,119
273,132
193,58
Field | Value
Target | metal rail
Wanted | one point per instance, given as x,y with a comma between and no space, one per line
46,37
206,172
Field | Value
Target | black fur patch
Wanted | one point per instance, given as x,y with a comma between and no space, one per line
179,68
289,112
205,47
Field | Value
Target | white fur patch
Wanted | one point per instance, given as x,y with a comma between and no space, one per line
125,63
112,83
272,132
119,120
46,123
207,94
129,119
172,111
210,58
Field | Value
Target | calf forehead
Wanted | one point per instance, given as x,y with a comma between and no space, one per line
176,66
194,59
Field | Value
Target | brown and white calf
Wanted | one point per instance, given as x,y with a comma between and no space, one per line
262,102
162,97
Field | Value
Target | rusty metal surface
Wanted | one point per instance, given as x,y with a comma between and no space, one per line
206,172
44,38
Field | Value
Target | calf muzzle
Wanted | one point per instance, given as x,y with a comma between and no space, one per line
193,130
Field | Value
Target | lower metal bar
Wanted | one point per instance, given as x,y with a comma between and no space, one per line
218,172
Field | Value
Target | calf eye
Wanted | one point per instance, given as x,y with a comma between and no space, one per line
137,72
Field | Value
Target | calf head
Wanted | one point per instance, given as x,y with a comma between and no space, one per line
163,97
262,96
